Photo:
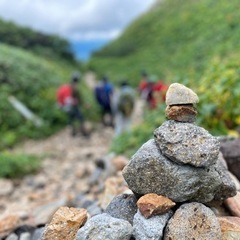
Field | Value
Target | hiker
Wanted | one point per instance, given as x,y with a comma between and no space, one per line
103,95
124,106
143,85
155,92
69,100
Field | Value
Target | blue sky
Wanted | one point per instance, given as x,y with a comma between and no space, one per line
87,22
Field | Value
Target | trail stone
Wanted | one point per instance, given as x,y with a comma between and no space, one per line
65,224
179,94
25,236
44,213
150,172
6,187
233,205
104,226
113,187
38,233
218,208
151,205
193,221
12,236
231,152
151,228
181,113
186,143
230,227
119,162
8,224
235,180
123,206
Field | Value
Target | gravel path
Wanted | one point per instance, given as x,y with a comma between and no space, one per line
67,163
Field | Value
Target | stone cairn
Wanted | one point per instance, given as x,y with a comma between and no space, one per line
175,178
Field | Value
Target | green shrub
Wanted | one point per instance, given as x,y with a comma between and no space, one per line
17,166
34,81
128,142
219,93
173,39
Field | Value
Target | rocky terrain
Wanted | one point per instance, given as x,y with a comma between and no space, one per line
176,186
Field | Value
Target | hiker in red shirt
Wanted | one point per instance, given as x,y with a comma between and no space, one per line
156,91
69,100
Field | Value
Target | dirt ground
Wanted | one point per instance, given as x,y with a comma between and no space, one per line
67,163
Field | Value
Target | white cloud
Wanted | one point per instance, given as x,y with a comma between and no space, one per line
74,19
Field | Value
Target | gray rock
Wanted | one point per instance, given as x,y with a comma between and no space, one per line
92,207
123,206
179,94
12,236
186,143
151,228
150,172
104,226
193,221
44,213
228,187
231,152
25,236
38,233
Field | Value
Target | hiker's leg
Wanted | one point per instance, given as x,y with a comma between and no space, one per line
71,119
79,116
118,124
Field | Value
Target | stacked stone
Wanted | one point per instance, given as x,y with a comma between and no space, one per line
183,162
173,177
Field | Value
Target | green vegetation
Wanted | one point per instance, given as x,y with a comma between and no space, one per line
175,40
16,166
219,92
191,42
33,80
50,46
129,142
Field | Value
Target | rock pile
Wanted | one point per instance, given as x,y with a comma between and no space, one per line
174,178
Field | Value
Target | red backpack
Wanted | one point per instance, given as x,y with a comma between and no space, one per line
64,96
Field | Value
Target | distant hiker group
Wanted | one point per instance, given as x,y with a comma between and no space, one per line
152,90
116,103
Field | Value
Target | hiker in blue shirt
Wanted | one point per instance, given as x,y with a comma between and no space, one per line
103,94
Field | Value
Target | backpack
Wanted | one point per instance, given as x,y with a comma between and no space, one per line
126,103
64,97
103,95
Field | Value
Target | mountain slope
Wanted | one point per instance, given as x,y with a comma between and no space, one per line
33,80
174,39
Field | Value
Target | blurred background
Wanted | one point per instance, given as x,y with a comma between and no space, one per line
42,43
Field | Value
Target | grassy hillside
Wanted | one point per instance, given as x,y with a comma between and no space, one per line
33,80
50,46
176,39
187,41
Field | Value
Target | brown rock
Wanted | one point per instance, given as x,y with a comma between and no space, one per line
152,204
193,221
230,227
65,224
6,187
113,187
181,113
8,224
119,162
233,205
